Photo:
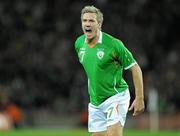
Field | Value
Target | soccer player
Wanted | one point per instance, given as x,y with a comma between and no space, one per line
104,58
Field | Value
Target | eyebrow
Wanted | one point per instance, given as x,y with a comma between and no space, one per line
88,19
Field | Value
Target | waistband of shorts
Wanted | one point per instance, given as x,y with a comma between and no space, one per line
112,98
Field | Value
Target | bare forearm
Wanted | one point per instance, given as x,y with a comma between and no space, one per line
138,81
138,103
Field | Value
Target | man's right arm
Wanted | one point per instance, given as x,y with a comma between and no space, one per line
138,103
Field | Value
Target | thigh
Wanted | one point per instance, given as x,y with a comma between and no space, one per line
96,120
115,130
116,111
103,133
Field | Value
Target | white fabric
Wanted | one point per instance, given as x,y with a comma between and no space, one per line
111,111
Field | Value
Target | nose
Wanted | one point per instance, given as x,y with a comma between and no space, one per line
87,23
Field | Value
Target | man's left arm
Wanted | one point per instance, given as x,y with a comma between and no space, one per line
138,103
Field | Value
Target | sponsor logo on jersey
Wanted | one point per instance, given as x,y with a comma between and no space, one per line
82,49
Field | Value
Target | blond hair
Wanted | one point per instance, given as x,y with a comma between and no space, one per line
92,9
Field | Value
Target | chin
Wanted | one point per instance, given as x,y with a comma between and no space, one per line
89,37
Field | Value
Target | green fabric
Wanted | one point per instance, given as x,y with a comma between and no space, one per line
104,64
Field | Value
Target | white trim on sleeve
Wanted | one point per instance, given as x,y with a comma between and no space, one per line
132,64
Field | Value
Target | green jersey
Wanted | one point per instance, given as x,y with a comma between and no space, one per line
104,64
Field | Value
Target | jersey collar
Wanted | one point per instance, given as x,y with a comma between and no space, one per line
100,37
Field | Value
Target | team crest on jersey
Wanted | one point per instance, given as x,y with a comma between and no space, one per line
100,54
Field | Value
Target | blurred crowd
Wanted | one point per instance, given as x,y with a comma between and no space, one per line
38,64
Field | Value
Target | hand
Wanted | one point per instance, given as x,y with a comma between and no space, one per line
138,106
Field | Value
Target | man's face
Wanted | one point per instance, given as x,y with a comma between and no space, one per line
90,25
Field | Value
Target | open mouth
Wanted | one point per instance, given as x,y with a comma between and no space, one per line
88,30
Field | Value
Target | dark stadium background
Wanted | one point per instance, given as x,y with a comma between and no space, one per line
40,72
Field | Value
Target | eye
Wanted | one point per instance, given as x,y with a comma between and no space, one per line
84,20
91,20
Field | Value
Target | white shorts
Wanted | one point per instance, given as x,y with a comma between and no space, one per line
111,111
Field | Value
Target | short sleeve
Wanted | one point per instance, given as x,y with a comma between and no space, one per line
124,56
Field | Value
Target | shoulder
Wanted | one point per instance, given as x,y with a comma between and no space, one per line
118,42
109,39
80,40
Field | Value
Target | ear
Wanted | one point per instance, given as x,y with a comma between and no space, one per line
100,25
